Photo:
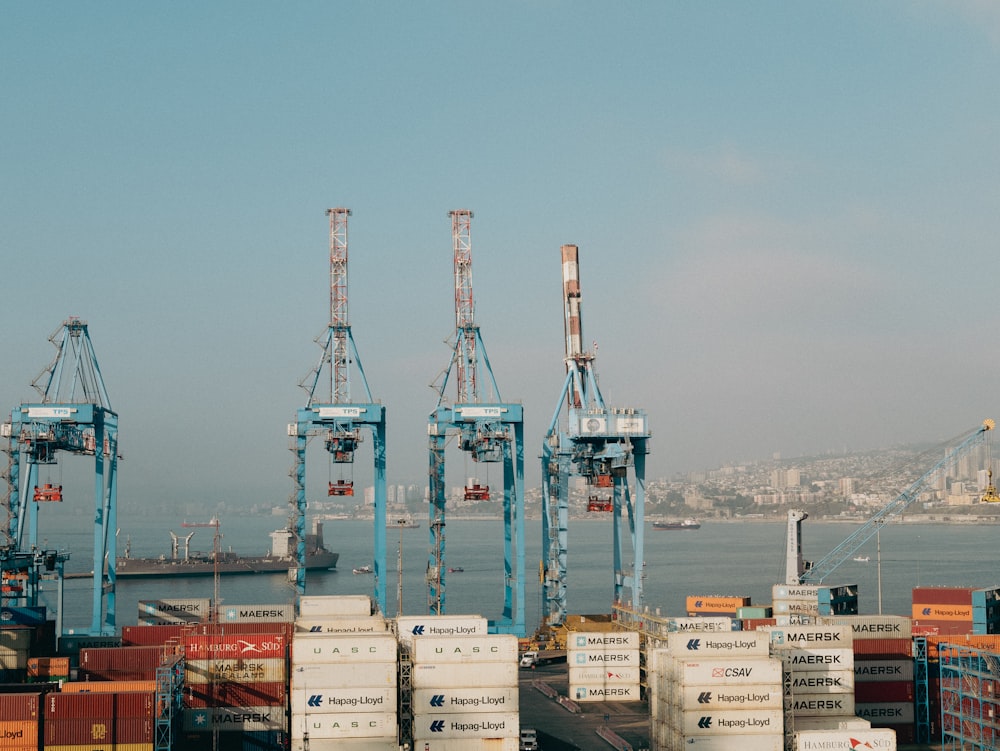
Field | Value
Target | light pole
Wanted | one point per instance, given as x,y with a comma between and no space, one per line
399,568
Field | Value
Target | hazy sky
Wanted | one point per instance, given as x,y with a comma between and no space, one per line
788,217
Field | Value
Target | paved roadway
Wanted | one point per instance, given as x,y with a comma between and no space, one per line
561,730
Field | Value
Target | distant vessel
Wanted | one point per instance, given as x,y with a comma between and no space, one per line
362,570
407,522
192,563
862,558
456,570
686,524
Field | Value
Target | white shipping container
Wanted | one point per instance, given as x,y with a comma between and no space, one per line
348,625
816,660
410,626
343,675
739,643
622,658
794,607
614,692
837,682
606,641
338,648
469,675
468,744
873,626
266,670
819,705
727,697
465,649
827,637
831,723
255,613
886,713
873,739
313,606
315,700
603,676
234,719
671,739
353,744
715,625
451,700
344,725
735,722
185,610
726,672
876,671
464,726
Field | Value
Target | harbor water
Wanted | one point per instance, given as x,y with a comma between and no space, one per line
721,558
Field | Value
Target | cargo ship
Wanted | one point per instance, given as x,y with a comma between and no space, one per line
280,559
686,524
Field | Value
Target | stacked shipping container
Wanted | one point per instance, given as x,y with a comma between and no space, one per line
465,693
603,665
956,610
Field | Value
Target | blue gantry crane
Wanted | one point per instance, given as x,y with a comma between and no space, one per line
338,418
488,430
600,445
73,417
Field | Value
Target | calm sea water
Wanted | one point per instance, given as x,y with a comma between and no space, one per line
742,559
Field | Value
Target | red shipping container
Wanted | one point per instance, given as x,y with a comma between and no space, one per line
235,646
128,659
60,706
943,595
946,628
77,731
131,704
20,706
883,648
905,734
883,691
133,730
133,636
230,629
198,696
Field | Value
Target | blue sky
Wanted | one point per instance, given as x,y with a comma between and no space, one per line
787,216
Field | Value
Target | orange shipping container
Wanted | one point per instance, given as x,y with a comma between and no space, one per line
106,687
48,667
93,747
18,734
935,612
715,604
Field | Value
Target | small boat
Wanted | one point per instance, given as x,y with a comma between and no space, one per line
363,570
862,558
456,570
686,524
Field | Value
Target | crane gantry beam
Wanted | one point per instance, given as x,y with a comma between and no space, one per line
337,418
489,430
600,445
74,417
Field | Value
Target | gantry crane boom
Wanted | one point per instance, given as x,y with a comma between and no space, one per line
337,417
489,430
850,546
598,444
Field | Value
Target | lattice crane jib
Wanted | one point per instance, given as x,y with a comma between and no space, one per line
488,430
337,418
602,446
73,417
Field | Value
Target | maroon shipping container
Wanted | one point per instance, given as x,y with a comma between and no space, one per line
80,706
198,696
133,730
883,691
130,704
16,707
78,719
145,636
905,734
944,628
943,595
883,648
752,624
122,663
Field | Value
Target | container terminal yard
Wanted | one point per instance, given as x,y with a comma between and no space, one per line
804,671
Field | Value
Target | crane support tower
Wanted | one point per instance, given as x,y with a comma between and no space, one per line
74,416
800,572
337,418
489,430
600,445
